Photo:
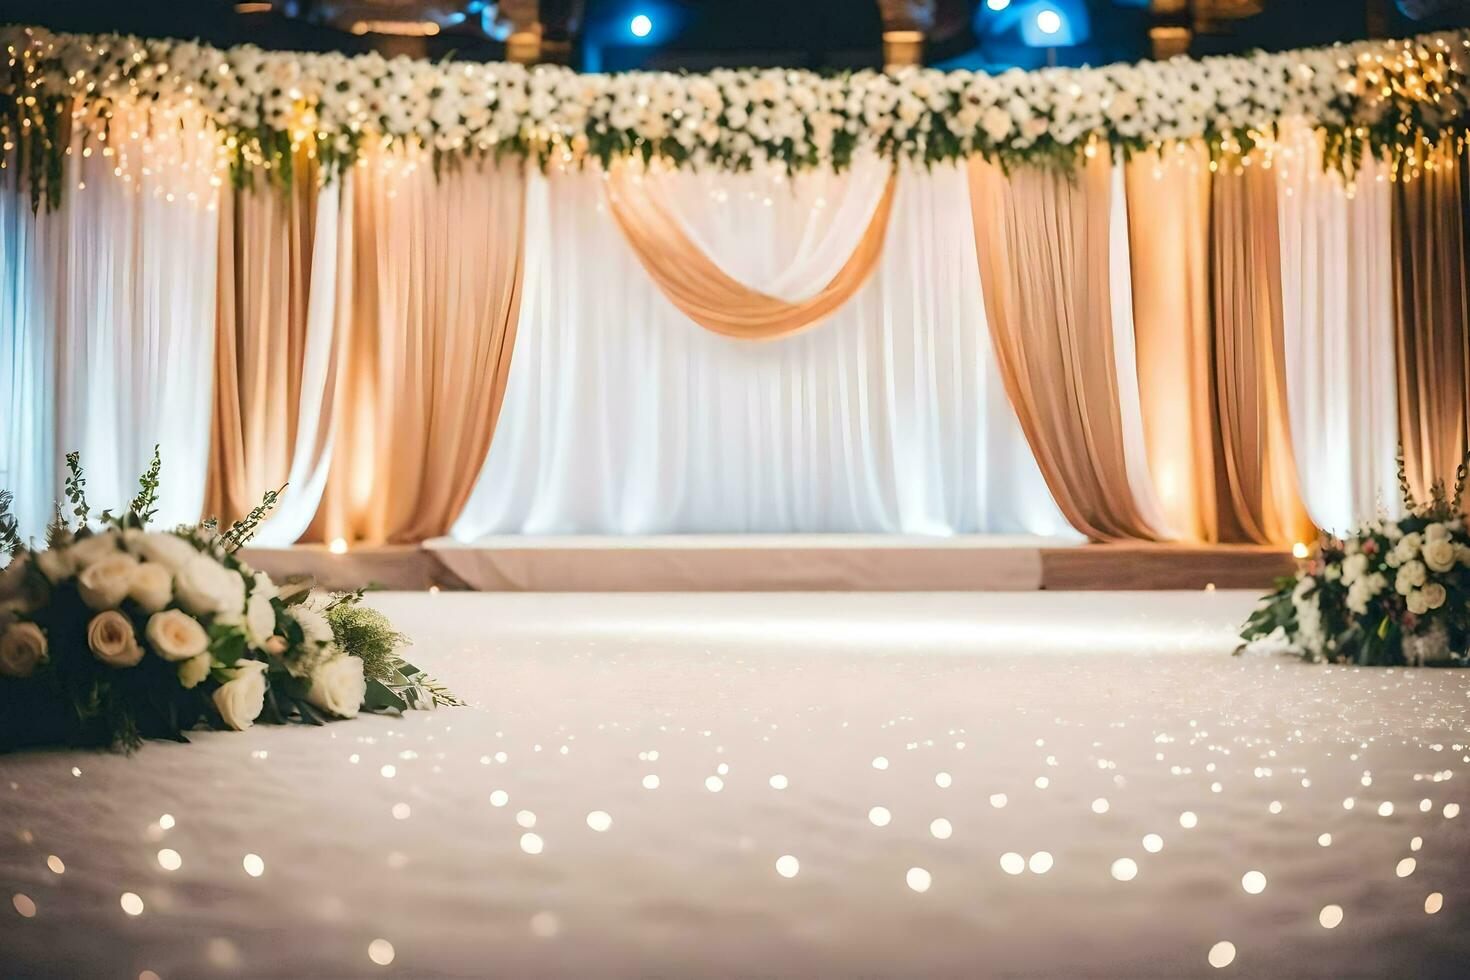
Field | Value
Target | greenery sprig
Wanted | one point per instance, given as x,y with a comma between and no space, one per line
240,532
76,486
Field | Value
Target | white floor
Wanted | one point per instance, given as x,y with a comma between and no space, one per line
1087,736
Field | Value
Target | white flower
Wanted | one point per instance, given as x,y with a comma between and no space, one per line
1437,532
260,620
241,699
168,550
94,548
313,624
104,583
1354,567
997,123
1417,602
152,587
194,670
1434,595
206,588
1439,552
175,635
338,686
111,640
13,577
1410,576
57,564
22,649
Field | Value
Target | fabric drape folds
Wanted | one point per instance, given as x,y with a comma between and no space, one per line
624,417
1337,296
1043,242
831,260
285,258
1431,222
438,268
1258,475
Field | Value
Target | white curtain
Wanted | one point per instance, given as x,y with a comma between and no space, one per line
112,296
624,417
1337,296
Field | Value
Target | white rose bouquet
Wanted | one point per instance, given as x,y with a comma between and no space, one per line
113,633
1391,592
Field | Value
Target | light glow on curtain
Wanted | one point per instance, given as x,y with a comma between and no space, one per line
622,416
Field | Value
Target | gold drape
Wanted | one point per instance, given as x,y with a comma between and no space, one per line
1169,241
1042,241
265,255
701,289
1431,219
439,264
1258,475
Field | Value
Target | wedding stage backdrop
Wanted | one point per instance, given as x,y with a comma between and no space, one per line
1195,300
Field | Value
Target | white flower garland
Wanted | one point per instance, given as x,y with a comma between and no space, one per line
1399,96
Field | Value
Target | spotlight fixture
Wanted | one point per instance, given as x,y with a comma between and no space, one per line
640,26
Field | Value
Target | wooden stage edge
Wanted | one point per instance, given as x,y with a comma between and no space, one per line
849,567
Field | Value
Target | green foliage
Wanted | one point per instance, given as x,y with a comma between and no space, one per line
144,505
240,532
9,526
76,486
368,635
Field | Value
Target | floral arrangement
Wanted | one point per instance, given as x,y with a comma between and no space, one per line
113,633
1400,96
1391,592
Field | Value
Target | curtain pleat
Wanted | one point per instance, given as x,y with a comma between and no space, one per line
1043,246
1258,472
696,284
1431,221
438,268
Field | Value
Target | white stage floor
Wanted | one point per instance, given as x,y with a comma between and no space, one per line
909,751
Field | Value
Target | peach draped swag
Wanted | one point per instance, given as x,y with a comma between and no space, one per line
1043,242
1208,306
1431,222
694,281
438,265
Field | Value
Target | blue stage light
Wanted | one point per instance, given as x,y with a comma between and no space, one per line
997,4
640,26
1054,24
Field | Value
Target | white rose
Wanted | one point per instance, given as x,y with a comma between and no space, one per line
104,583
22,650
1439,553
152,587
338,686
168,550
1434,595
1410,576
94,548
1437,532
241,699
57,564
1417,603
260,620
13,577
193,671
176,635
205,587
313,624
110,636
1354,568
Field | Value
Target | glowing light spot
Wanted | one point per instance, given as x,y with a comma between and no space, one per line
1275,806
402,811
1300,550
254,865
714,784
1451,811
526,818
169,859
1042,782
27,908
338,546
599,821
1331,916
879,816
880,763
943,780
166,821
640,26
779,781
1406,867
1253,882
997,800
131,903
787,866
1385,809
388,772
380,951
1153,843
941,829
1125,869
1099,805
1040,862
1188,820
1432,904
918,879
499,797
531,843
997,4
1325,840
650,781
1416,843
1012,863
56,865
1222,954
1050,22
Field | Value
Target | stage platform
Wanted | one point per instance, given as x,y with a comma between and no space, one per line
780,563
